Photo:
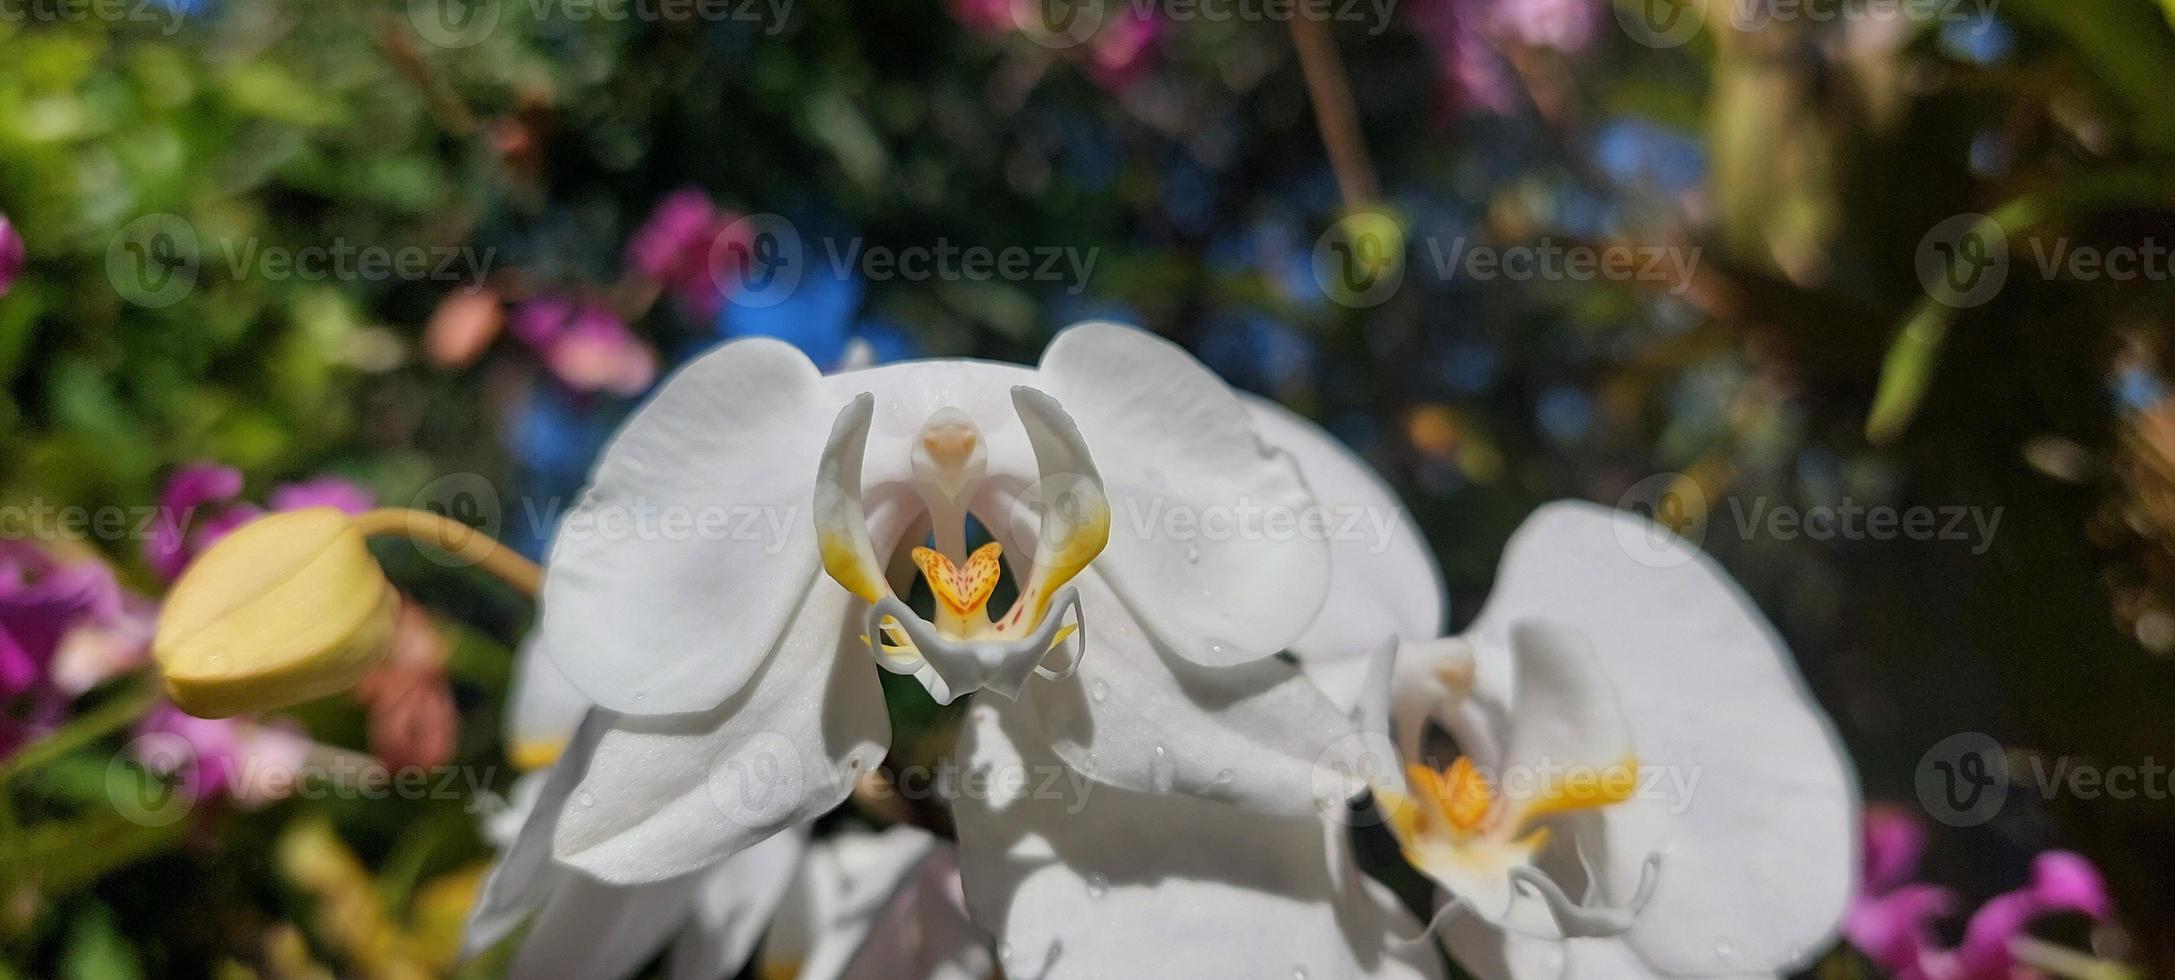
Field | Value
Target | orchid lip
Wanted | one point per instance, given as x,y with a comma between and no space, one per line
963,649
998,666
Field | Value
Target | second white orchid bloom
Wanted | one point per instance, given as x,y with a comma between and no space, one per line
1639,784
736,574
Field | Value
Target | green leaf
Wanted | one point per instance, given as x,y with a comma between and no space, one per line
96,950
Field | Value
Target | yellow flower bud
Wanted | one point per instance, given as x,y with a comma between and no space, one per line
289,607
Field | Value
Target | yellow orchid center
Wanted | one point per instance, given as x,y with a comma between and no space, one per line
1459,822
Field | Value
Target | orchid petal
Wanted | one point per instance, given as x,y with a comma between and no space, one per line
844,884
522,878
1138,717
1079,880
1074,514
1383,579
1568,741
924,931
841,522
591,929
665,795
735,433
544,708
1489,953
1759,855
1208,546
733,905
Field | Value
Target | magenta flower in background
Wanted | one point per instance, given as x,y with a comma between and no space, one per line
100,649
1468,67
41,600
585,344
986,16
254,762
202,503
1568,26
196,509
11,254
1467,37
1892,920
673,248
1122,50
327,490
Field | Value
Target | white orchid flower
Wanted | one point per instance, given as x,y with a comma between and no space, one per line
1631,730
854,905
1118,883
732,581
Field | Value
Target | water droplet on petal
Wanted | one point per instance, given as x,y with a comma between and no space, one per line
1099,691
588,798
1162,770
641,695
1193,554
1004,952
1093,761
1298,973
1224,776
1097,885
1215,649
1723,950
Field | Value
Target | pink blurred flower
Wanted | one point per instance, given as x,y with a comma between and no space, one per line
413,721
41,599
986,16
196,509
1894,843
1470,70
463,325
1115,57
322,491
585,345
11,254
673,248
254,762
100,649
1892,920
1468,36
1568,26
1121,52
202,503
